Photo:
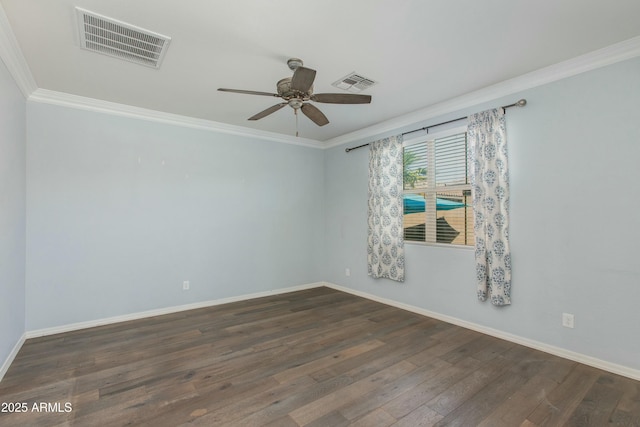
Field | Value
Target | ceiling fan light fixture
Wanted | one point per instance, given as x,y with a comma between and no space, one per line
295,103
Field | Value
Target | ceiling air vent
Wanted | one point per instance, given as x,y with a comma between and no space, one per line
354,83
121,40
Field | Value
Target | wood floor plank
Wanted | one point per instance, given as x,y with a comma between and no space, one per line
468,349
379,358
630,400
495,348
326,361
285,421
336,400
283,404
473,410
428,390
369,402
558,406
448,340
239,409
423,416
467,387
521,403
333,419
377,417
317,357
596,407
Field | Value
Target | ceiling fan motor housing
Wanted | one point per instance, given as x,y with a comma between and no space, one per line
287,93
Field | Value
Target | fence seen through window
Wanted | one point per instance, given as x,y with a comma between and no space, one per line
437,191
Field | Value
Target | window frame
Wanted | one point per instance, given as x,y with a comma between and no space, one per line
430,138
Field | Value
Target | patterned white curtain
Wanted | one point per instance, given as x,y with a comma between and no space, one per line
490,192
385,240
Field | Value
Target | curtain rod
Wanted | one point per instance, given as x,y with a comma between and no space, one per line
519,103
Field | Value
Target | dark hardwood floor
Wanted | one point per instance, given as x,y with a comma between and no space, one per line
315,358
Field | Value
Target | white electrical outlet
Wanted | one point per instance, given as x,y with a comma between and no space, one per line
185,285
347,272
567,320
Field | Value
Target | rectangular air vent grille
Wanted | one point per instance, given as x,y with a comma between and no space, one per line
354,83
121,40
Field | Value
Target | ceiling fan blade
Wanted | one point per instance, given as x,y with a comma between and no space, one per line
268,111
341,98
314,114
248,92
303,79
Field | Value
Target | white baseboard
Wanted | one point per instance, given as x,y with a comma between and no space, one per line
556,351
160,311
14,352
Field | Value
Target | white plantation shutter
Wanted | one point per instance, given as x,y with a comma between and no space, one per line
451,160
437,192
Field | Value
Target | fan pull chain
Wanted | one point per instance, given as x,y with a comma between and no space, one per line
295,110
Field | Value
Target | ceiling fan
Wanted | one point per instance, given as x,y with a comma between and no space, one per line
297,90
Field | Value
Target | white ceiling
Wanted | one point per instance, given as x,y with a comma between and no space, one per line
421,52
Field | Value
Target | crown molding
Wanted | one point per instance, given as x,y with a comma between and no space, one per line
599,58
12,56
46,96
17,65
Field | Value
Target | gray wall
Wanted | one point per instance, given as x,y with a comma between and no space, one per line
12,213
120,211
575,222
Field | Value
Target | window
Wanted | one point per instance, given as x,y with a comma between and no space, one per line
437,190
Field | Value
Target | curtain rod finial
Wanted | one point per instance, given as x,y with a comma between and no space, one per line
521,103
